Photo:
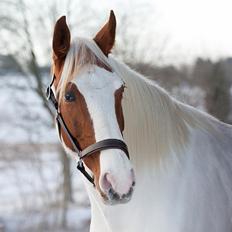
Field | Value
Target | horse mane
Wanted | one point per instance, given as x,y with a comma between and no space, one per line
155,123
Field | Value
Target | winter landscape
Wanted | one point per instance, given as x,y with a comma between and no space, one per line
40,187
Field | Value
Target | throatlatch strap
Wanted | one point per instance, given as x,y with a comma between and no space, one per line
81,168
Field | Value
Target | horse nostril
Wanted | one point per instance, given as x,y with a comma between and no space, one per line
130,192
113,195
106,182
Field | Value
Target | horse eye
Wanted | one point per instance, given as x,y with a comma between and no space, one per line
69,96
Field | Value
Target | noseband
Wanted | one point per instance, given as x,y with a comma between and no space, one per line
90,150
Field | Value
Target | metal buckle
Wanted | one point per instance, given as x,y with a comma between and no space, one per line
80,165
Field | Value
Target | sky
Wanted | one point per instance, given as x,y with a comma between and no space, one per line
177,31
199,27
191,27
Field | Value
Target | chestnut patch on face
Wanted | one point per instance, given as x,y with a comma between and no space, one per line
75,113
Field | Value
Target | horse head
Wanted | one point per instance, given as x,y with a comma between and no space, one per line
89,96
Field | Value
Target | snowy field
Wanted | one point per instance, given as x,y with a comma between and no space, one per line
30,197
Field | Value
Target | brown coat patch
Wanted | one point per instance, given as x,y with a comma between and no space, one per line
80,125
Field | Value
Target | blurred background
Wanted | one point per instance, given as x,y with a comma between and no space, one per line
184,45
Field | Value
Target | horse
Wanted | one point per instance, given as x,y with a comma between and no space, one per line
162,166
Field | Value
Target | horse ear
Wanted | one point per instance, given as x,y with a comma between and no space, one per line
61,38
106,36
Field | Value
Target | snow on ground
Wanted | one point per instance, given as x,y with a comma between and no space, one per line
30,195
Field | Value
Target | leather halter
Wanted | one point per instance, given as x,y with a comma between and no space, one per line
90,150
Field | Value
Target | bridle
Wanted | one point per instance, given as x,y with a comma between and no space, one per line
90,150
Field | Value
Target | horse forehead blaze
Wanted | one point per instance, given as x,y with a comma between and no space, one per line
78,120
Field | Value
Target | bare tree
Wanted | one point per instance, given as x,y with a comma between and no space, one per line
212,77
138,40
218,93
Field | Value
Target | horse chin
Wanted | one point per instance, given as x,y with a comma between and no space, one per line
114,199
117,202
